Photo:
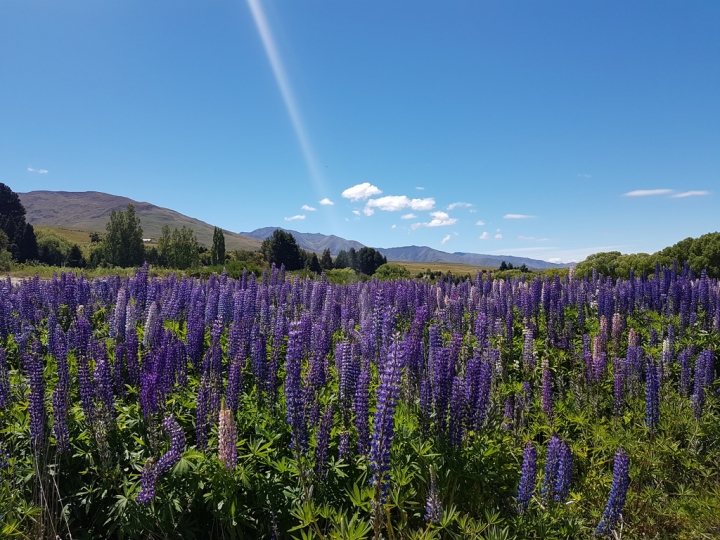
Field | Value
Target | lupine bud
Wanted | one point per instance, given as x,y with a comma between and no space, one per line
433,505
323,442
227,438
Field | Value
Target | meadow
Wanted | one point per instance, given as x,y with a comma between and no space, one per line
283,406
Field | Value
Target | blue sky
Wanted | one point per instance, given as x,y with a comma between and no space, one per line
538,117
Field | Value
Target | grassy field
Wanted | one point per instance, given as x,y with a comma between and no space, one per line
456,269
74,236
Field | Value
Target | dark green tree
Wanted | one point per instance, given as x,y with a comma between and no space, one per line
314,264
369,260
76,259
22,243
217,253
352,259
326,261
123,245
503,266
342,260
282,248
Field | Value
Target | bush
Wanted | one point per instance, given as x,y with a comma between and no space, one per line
392,271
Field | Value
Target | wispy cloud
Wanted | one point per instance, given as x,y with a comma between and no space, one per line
39,171
647,192
445,240
484,236
689,194
455,205
356,212
308,208
326,202
584,175
419,188
517,216
480,223
294,218
408,216
439,219
394,226
533,238
498,236
393,203
360,192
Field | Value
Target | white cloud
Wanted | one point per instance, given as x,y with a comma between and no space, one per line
368,211
326,202
458,205
42,171
533,238
556,260
356,212
498,236
360,192
445,240
439,219
308,208
690,194
517,216
484,236
408,216
647,192
583,176
39,171
480,223
419,188
393,203
294,218
394,226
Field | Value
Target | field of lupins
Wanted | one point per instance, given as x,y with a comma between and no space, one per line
280,407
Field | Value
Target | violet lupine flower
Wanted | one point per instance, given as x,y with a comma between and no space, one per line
117,325
509,415
227,438
152,471
384,420
703,366
361,409
61,399
618,494
235,382
564,473
528,352
4,381
433,504
33,364
652,390
323,442
131,357
527,477
458,412
552,463
344,445
547,395
293,391
618,384
150,324
103,382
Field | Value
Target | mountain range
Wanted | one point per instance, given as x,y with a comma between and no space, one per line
89,211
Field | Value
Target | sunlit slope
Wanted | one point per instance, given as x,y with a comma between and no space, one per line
90,211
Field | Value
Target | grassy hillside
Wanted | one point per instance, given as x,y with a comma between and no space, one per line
78,213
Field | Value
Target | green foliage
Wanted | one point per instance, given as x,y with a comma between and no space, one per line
326,261
179,249
369,260
701,253
53,249
341,276
20,235
217,252
123,245
282,248
392,271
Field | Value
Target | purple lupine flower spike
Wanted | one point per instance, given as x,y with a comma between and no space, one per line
433,504
152,471
527,477
618,494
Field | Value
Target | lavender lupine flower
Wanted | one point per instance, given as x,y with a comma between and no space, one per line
527,477
361,409
61,398
509,415
150,323
618,493
552,463
618,384
227,438
344,445
384,421
235,377
433,504
33,364
547,395
564,472
117,325
323,442
293,391
131,357
103,382
528,351
703,366
652,390
152,471
684,361
4,381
